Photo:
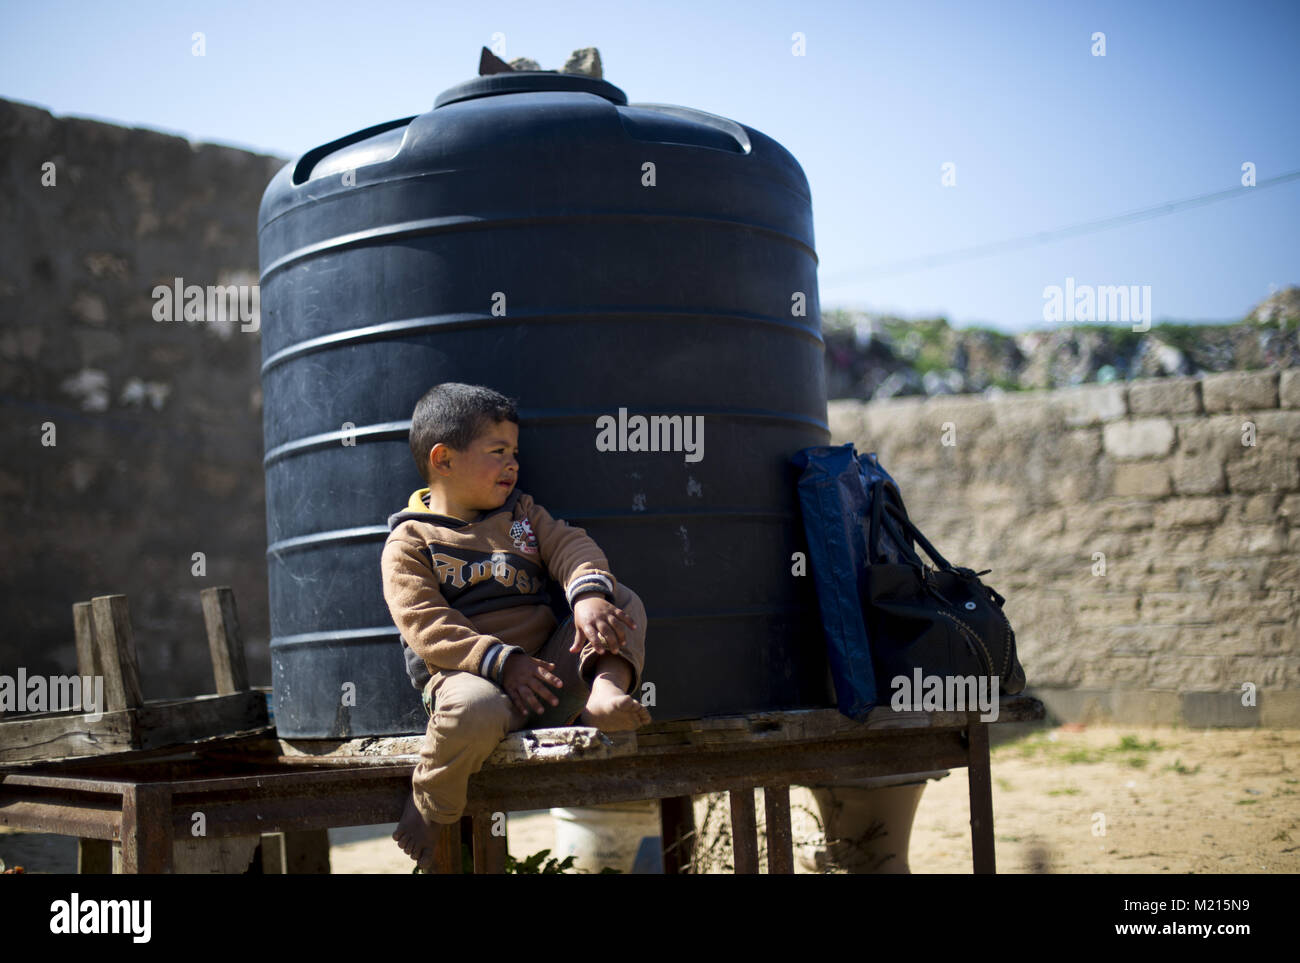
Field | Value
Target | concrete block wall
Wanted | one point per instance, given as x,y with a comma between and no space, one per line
1146,535
157,431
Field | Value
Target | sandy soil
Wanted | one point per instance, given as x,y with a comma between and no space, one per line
1173,801
1185,801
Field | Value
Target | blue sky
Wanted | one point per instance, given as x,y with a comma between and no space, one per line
1043,134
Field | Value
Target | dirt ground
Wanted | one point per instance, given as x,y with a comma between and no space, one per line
1170,801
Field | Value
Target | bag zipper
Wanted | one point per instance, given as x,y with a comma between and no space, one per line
1009,645
981,652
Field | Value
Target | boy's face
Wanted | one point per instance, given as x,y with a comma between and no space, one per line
482,476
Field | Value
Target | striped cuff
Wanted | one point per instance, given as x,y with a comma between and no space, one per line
591,582
494,661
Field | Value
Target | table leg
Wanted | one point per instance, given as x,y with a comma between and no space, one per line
677,833
780,843
981,796
489,849
446,854
744,831
147,828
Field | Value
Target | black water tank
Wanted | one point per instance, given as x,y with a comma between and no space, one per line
511,237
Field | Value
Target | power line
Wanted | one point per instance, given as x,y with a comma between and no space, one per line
908,265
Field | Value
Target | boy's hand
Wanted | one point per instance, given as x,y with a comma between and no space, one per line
601,623
525,678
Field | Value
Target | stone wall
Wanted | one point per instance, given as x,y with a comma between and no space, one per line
156,427
1146,534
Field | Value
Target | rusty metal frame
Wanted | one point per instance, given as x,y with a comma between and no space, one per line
147,804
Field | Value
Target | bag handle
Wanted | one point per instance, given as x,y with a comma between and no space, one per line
909,532
886,523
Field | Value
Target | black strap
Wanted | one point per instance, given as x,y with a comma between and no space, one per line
889,514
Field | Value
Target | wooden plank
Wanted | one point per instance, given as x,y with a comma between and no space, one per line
73,817
83,623
780,840
813,725
489,850
981,796
720,733
677,833
174,722
65,734
147,828
115,644
225,642
256,745
657,777
744,830
525,747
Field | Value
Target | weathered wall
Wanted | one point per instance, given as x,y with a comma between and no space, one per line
1199,533
157,426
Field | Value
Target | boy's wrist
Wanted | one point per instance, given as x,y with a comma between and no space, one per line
493,666
591,583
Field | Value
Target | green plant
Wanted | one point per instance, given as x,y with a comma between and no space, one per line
533,865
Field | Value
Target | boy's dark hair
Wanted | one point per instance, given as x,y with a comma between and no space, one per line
454,414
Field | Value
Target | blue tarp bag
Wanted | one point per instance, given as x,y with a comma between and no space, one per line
835,485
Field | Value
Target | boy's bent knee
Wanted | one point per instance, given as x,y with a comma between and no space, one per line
473,710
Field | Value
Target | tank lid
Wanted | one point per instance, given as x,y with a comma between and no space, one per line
529,81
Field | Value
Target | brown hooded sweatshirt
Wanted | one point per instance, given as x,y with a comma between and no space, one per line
465,595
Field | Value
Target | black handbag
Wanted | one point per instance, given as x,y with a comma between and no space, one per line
941,620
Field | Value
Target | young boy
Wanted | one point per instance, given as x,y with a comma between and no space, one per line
465,572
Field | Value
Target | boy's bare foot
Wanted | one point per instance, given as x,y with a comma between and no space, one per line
415,836
610,709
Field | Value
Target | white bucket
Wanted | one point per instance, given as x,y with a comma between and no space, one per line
608,835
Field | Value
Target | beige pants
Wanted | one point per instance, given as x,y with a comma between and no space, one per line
471,714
